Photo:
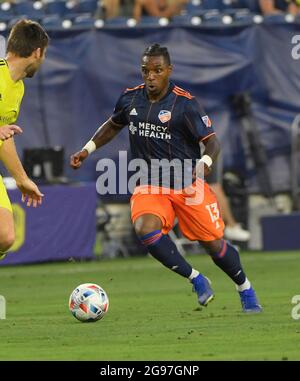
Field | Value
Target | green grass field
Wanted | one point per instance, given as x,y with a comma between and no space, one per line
153,314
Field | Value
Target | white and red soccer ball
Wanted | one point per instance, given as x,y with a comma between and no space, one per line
88,302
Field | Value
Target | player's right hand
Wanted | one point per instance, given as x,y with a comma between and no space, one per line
6,132
77,159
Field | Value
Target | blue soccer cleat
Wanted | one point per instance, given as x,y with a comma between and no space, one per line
201,285
249,301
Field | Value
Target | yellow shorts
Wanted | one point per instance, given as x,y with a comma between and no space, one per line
4,200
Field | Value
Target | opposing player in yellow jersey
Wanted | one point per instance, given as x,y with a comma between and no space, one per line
26,48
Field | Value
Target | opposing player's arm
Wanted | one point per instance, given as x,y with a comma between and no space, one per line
9,130
105,133
10,158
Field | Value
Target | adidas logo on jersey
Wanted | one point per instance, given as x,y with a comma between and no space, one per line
133,112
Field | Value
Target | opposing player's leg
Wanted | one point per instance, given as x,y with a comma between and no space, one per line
203,222
7,232
153,216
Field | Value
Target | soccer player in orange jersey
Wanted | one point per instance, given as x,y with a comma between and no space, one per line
167,123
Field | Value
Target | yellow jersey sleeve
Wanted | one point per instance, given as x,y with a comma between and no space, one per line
11,94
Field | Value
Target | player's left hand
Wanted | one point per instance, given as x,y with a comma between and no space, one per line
207,170
30,193
8,131
198,171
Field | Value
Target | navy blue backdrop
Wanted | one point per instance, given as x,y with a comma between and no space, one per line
85,72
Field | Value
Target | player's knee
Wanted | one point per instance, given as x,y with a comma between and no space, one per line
144,229
212,248
146,226
7,242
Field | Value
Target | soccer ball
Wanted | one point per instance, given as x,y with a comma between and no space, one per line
88,302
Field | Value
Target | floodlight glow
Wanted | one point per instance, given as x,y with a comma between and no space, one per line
131,23
2,26
196,20
227,20
66,24
163,21
38,5
289,18
258,19
5,6
99,23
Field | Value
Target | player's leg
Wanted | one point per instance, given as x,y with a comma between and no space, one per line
153,216
7,232
148,228
203,222
227,258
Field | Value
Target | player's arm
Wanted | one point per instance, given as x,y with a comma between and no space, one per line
10,158
200,126
212,147
105,133
211,152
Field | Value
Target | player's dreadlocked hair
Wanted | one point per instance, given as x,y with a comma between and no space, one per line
155,50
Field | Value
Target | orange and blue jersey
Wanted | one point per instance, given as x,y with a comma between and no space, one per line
171,128
168,129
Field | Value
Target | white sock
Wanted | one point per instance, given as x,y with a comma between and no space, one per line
194,274
245,286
